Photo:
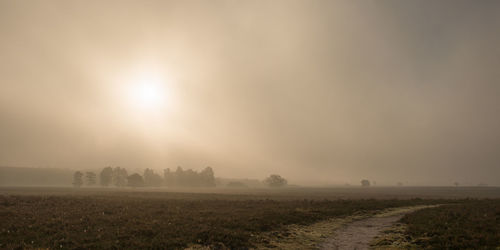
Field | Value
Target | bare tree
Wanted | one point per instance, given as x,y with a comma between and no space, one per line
187,178
151,178
119,177
275,180
78,179
168,177
207,177
135,180
365,183
90,177
106,176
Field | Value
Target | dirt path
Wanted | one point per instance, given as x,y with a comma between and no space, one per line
351,232
359,234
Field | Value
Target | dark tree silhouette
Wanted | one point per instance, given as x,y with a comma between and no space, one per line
151,178
78,179
106,176
189,177
180,179
119,177
135,180
275,180
168,177
90,177
365,183
207,177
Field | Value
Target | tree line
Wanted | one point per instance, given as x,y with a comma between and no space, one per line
119,177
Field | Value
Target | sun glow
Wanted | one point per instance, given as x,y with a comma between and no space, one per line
144,97
149,93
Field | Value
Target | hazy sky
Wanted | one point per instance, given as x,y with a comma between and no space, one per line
317,91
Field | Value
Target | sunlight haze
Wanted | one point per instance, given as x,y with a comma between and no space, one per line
321,92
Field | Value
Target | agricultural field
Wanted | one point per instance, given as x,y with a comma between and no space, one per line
137,218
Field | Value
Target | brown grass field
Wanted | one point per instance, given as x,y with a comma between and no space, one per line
219,218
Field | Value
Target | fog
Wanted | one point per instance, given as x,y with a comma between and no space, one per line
320,92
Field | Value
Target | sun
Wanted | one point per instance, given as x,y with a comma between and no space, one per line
149,92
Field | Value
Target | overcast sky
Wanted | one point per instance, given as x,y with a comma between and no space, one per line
321,92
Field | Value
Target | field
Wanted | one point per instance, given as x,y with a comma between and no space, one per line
111,218
466,225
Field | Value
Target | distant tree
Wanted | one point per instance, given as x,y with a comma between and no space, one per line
152,179
207,177
90,177
365,183
400,184
456,183
275,180
78,179
236,184
190,178
119,177
180,180
168,177
135,180
185,178
106,176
